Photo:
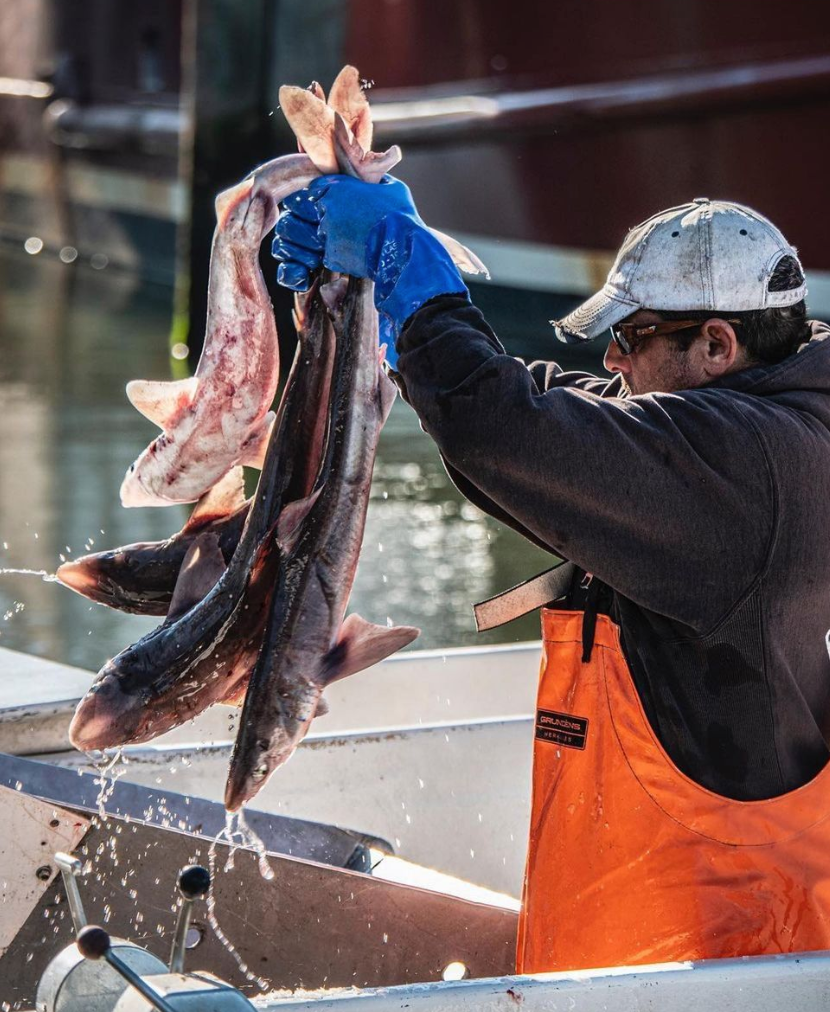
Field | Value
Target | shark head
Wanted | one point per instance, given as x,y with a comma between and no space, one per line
254,764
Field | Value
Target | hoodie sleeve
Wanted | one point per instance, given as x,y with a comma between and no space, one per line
650,493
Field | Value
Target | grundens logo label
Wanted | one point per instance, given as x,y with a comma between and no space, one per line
561,728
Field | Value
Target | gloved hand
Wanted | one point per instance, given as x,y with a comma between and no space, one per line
368,230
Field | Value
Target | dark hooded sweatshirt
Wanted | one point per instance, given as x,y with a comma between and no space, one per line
706,511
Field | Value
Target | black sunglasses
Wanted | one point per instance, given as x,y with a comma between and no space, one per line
629,336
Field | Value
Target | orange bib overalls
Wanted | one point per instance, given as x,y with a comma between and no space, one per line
632,862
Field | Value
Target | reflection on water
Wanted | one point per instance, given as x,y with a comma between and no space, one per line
70,338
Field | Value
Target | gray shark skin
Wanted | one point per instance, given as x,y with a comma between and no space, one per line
307,643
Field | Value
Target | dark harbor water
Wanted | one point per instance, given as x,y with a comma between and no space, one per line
70,339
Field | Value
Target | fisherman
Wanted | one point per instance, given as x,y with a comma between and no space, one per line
681,790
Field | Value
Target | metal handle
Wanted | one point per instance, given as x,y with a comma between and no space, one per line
70,870
194,882
94,943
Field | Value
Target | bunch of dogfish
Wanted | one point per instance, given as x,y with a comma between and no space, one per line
254,592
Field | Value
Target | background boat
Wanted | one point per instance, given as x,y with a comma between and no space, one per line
538,132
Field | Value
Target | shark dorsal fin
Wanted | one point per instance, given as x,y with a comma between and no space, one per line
463,258
290,522
388,392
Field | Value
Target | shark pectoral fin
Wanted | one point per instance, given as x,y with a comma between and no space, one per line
161,400
202,567
226,496
256,445
463,258
362,644
322,708
290,522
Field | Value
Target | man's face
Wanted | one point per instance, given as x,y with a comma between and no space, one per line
657,365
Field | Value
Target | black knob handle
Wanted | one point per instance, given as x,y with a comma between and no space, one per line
93,942
194,881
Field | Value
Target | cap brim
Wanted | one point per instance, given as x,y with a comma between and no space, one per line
593,317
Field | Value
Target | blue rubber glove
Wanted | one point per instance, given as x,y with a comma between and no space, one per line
368,230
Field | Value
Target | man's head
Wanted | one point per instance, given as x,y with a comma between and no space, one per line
718,283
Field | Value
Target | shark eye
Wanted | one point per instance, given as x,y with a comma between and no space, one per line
261,771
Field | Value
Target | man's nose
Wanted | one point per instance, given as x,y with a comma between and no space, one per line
615,361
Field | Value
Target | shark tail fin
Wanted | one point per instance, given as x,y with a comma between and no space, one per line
313,124
348,98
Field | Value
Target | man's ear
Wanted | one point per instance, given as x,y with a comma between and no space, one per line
717,348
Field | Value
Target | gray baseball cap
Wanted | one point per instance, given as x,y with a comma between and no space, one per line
709,254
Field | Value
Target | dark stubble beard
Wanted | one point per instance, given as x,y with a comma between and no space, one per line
675,376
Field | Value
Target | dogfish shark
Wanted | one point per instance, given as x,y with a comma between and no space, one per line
269,623
221,416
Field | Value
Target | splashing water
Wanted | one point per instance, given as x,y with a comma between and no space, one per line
257,846
46,576
236,834
108,775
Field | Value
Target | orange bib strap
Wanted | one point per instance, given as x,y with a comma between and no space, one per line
632,862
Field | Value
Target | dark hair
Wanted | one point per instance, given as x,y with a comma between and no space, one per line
769,335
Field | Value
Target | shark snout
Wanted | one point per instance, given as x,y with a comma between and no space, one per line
79,576
106,717
133,493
